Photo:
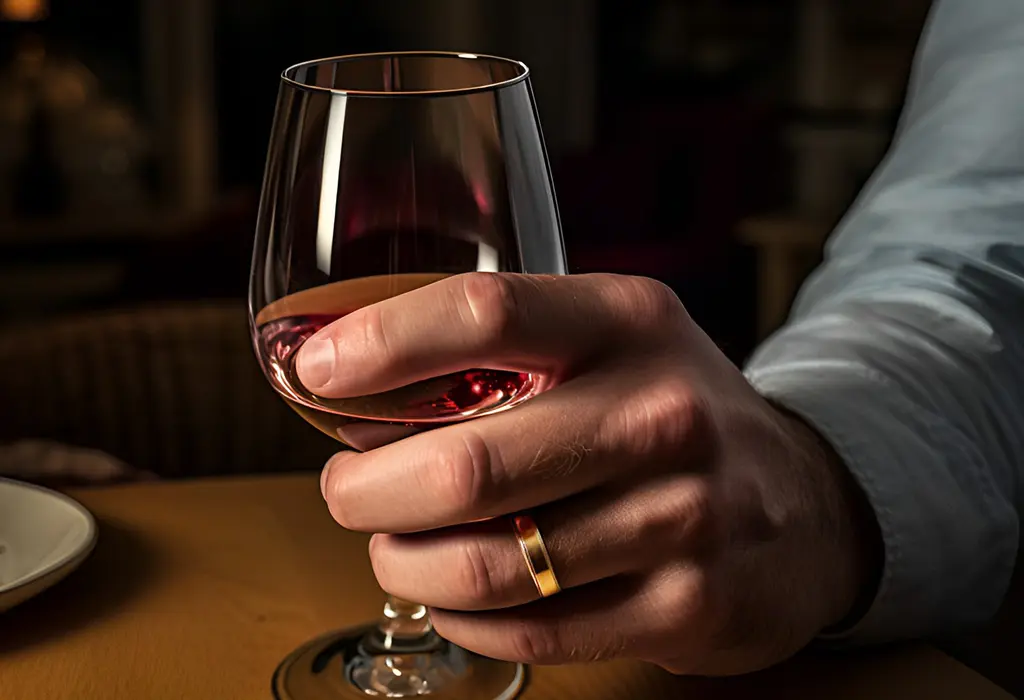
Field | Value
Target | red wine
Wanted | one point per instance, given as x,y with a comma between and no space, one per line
285,325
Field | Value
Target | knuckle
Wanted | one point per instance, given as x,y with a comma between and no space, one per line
684,521
658,300
466,473
659,419
683,604
536,644
491,303
700,517
696,522
375,337
647,300
675,411
477,576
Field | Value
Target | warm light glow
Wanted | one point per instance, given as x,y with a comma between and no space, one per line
23,10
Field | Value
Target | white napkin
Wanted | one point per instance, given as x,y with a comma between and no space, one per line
43,461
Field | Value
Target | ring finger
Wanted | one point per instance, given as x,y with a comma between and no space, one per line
589,537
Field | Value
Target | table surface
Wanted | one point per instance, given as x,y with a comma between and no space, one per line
198,589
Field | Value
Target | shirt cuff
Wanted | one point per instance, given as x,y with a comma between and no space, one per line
950,537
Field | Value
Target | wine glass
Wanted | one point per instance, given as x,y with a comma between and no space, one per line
387,172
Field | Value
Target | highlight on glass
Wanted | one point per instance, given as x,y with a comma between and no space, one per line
385,173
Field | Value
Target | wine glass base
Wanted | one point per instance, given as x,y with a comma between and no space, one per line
337,667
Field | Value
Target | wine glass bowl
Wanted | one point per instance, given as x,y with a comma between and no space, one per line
282,327
386,173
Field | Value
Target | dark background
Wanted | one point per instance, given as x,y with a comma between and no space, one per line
691,140
709,143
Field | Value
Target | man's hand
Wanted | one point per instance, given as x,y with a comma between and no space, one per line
690,523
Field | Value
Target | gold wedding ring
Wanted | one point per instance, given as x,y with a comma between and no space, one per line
536,555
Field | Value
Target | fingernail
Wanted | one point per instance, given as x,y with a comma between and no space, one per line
315,363
323,479
333,463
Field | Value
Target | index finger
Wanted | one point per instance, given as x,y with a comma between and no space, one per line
479,469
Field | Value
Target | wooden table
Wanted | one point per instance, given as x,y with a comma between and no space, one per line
198,589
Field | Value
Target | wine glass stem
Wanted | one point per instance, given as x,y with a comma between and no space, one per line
406,627
404,655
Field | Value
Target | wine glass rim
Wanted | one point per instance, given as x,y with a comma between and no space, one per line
524,73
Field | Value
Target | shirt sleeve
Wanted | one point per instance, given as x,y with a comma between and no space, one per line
906,348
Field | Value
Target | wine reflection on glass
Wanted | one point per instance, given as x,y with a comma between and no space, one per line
386,173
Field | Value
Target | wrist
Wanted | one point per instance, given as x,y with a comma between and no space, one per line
848,551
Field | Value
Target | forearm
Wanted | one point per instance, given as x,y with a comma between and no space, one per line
924,421
906,350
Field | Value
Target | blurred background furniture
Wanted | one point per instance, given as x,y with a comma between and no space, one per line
674,126
788,248
173,390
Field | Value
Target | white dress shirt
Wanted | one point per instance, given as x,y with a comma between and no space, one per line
906,348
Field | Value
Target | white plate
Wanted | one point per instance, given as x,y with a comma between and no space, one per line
44,536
